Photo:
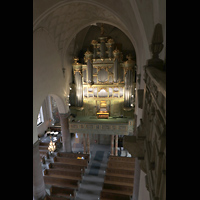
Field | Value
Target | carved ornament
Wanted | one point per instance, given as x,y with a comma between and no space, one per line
94,42
77,67
88,56
129,63
116,53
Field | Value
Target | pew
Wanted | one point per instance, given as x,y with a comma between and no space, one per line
120,165
63,192
118,180
73,175
113,196
120,172
44,153
47,197
122,159
43,147
42,159
67,167
71,161
61,182
118,189
73,155
58,128
44,144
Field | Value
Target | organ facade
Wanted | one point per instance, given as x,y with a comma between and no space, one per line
104,85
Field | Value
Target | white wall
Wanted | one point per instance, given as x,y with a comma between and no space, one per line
47,75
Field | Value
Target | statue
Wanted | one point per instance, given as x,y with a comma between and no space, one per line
156,47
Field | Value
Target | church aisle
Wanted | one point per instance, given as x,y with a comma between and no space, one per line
93,179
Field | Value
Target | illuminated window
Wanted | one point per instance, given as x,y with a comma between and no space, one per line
40,118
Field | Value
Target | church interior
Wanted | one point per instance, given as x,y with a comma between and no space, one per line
99,100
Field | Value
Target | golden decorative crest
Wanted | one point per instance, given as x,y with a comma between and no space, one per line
94,42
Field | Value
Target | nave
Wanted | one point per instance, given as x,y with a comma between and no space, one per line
102,177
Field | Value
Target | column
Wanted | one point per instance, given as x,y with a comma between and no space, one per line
84,144
39,191
88,144
112,145
116,145
66,136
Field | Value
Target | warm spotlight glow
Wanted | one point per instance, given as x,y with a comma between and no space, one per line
52,146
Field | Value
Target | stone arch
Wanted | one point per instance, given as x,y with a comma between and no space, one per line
47,63
60,103
110,16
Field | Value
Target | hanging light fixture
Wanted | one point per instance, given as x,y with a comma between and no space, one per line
52,146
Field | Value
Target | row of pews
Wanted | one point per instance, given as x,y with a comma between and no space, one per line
44,152
43,146
65,174
119,178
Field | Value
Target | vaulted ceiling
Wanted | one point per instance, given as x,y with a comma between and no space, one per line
65,19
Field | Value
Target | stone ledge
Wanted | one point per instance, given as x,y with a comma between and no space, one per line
135,147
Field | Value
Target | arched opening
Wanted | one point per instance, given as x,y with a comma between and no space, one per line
49,115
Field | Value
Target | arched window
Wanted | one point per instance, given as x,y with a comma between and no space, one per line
40,118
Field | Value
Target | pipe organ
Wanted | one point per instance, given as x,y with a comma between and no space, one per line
104,79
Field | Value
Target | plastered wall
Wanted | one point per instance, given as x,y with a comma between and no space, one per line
47,74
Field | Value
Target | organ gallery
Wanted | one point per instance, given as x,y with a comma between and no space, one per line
104,84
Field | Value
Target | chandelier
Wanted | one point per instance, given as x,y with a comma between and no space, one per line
52,146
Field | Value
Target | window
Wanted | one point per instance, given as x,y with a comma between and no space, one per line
40,118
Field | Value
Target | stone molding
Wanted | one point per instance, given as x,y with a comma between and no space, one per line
135,147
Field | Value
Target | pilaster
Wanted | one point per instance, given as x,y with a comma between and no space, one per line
88,144
66,136
116,145
84,144
38,181
112,145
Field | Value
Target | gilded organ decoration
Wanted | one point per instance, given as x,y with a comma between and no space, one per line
105,77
